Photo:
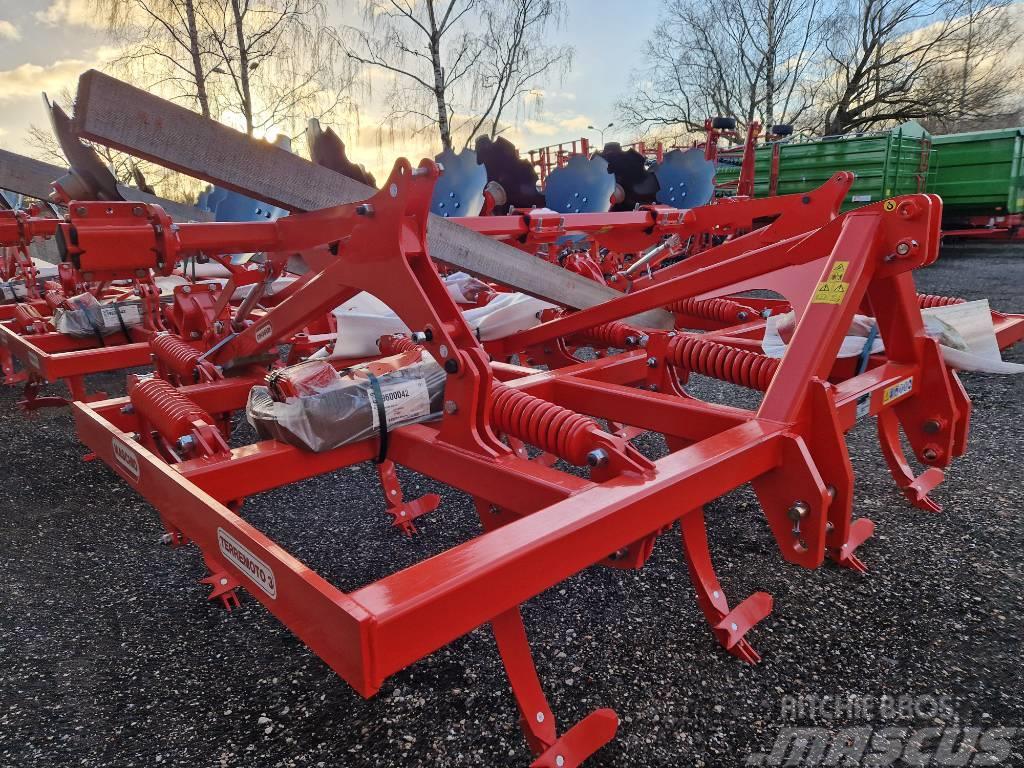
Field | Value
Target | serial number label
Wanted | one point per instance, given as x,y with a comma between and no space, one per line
896,391
248,563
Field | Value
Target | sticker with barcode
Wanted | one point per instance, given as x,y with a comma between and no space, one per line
863,406
404,401
131,314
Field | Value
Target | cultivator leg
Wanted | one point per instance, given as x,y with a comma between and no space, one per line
535,716
403,513
729,626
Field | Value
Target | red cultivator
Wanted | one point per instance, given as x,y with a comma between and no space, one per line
541,522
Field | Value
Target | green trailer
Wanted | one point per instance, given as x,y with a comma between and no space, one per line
891,163
979,173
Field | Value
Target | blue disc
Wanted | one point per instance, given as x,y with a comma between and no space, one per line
459,190
685,179
583,185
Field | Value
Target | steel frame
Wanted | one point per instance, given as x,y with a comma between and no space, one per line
541,524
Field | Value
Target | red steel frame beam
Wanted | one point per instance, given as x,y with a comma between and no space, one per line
551,524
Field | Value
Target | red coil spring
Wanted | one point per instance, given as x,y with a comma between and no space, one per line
737,366
28,319
174,353
550,427
722,310
54,298
928,300
167,410
396,345
613,334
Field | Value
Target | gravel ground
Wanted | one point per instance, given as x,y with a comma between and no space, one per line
110,655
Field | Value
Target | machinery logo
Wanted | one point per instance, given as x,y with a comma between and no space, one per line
264,332
126,458
247,562
896,391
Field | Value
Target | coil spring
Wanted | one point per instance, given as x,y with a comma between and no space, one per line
722,310
737,366
396,345
928,300
178,356
613,334
28,319
550,427
168,411
54,298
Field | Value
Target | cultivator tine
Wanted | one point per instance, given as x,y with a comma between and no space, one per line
729,626
861,530
403,513
224,588
915,487
536,719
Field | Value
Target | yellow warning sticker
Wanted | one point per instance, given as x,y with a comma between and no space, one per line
889,205
833,290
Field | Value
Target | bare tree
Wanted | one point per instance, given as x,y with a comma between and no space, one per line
164,46
982,81
895,60
514,59
430,48
751,62
279,59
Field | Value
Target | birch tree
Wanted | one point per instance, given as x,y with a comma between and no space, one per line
751,62
428,48
514,60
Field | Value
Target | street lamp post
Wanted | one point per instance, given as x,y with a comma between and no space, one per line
601,131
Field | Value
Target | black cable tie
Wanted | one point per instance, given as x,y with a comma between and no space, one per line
120,320
382,419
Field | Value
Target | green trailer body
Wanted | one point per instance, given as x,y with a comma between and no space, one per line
886,164
979,173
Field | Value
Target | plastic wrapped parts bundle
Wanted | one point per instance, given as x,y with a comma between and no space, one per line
88,317
314,407
12,290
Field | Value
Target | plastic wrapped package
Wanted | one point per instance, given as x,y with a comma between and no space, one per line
364,319
964,332
314,407
89,317
12,290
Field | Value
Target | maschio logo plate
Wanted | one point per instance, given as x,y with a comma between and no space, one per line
263,332
126,458
247,563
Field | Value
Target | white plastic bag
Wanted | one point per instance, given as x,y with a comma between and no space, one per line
965,334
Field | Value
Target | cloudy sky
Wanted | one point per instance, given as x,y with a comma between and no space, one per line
46,44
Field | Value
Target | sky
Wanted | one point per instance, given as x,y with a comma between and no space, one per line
46,44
